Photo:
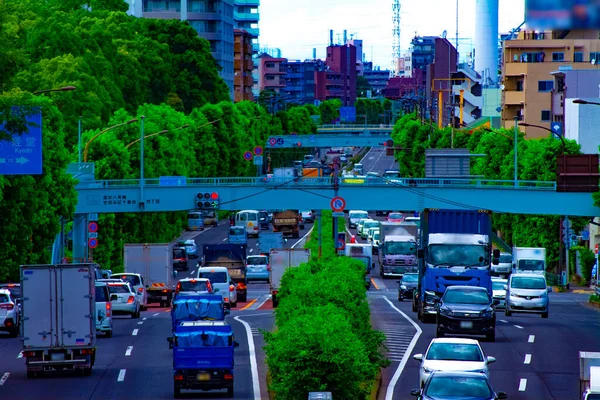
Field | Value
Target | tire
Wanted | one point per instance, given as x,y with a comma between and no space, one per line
176,392
109,334
14,333
233,305
31,374
439,333
491,337
230,392
87,371
545,315
507,313
244,298
414,307
400,297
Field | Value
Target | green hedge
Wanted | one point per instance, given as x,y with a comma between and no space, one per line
328,245
324,340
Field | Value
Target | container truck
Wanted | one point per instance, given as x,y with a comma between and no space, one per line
397,248
282,259
455,249
364,253
58,327
289,172
154,262
232,257
287,222
589,375
529,260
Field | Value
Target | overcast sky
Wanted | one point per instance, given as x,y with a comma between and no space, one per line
296,26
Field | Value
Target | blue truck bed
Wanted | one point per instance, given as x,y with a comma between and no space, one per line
196,308
456,221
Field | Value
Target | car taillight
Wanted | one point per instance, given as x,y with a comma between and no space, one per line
231,288
268,267
241,286
7,306
228,376
141,290
178,377
130,300
28,353
108,308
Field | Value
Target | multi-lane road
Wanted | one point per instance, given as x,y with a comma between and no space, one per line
536,358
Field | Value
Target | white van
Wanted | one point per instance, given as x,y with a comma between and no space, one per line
219,279
250,220
103,309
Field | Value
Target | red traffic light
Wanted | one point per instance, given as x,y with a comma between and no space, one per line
214,196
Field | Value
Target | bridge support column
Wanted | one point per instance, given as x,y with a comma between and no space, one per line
80,248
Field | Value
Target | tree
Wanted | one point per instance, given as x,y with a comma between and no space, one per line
362,86
330,111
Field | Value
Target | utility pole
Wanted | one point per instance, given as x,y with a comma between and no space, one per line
567,248
320,222
336,187
516,144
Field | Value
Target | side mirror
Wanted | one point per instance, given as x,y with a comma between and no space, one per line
418,357
420,253
496,253
114,297
495,261
174,274
491,360
236,345
170,340
415,392
549,289
501,395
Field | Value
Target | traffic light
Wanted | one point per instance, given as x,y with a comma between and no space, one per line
207,201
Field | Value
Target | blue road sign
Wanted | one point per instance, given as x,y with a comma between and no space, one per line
171,181
416,214
93,227
348,114
258,160
312,138
248,156
93,243
556,128
22,155
585,235
258,151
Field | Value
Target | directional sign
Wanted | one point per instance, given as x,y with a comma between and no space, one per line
338,204
93,217
258,151
337,214
93,235
258,160
248,156
93,227
585,235
556,128
171,180
22,155
93,243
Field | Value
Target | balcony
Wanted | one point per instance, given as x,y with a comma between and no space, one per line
515,69
513,97
247,3
200,16
243,80
211,35
162,14
246,17
254,32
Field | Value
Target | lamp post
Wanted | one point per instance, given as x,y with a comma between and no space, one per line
141,203
562,139
61,89
79,141
87,145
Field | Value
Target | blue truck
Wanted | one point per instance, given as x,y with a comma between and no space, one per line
202,343
455,249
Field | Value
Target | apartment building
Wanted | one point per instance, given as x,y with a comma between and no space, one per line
300,81
246,16
339,80
243,66
271,73
529,88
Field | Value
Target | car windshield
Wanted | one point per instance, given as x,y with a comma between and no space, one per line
527,283
498,285
100,294
257,261
252,216
458,387
371,224
457,255
466,297
3,298
118,288
358,215
440,351
395,216
505,258
178,253
15,291
531,265
376,236
214,277
192,286
263,215
195,216
410,278
402,248
133,280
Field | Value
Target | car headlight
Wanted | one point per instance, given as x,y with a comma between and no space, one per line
403,287
487,314
427,370
445,311
513,295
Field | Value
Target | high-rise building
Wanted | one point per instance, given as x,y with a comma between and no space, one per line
359,55
246,16
377,79
339,81
243,66
213,20
529,90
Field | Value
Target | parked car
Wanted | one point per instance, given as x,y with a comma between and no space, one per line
499,287
527,293
407,285
466,310
9,314
457,386
452,354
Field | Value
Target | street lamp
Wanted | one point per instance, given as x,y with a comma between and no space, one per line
579,101
85,153
158,133
562,139
62,89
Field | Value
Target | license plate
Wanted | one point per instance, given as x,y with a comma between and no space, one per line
528,305
57,356
466,324
203,377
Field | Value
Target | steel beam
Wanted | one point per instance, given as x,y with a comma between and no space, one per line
329,140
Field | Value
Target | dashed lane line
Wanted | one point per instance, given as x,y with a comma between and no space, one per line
531,339
20,355
155,315
135,332
129,350
251,250
4,378
145,318
527,359
121,377
518,326
141,322
501,320
522,385
225,239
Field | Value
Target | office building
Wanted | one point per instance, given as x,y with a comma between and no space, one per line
246,16
529,89
439,72
377,79
243,66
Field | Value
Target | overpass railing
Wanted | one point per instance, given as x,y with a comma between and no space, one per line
358,126
325,182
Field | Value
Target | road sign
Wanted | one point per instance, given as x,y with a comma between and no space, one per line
340,244
247,156
258,151
93,217
338,204
556,127
22,155
567,224
596,249
273,141
93,235
566,239
312,138
348,114
93,243
279,141
93,227
416,214
337,214
171,180
585,235
258,160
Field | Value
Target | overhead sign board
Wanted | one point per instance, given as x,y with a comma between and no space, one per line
22,153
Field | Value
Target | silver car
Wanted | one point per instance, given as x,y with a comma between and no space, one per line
504,265
499,291
355,216
452,354
123,299
9,314
527,293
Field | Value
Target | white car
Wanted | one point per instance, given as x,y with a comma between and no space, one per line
452,354
219,279
123,299
9,313
354,216
187,286
499,287
103,309
137,284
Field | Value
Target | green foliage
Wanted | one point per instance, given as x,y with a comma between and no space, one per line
587,258
369,111
536,160
362,86
595,299
330,111
327,242
324,340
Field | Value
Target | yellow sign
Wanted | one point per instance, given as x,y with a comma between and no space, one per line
354,181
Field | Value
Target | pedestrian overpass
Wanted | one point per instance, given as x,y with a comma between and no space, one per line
349,129
335,136
159,195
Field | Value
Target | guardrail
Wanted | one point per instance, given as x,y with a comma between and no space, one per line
314,182
345,127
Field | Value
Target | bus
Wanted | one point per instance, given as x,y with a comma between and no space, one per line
249,219
195,221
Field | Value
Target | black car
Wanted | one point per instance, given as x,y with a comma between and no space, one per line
263,219
466,310
180,259
457,385
407,285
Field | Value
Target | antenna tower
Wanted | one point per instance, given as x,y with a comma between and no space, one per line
457,25
396,33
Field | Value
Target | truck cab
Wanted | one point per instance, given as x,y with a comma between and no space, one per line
399,255
529,260
364,253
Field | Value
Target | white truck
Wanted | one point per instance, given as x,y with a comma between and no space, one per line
362,252
529,260
58,326
154,262
589,375
281,260
397,248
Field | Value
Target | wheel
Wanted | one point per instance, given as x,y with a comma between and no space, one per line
109,334
400,297
275,301
14,333
87,371
414,307
507,313
439,333
419,314
31,374
234,305
176,392
230,391
491,337
545,315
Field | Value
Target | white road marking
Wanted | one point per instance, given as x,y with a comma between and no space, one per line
251,250
518,326
225,239
256,244
389,395
501,320
527,359
256,307
303,237
121,377
370,158
141,322
4,378
531,339
522,385
155,315
129,350
135,332
144,318
20,355
252,354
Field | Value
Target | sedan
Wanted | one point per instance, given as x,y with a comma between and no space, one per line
457,386
466,310
452,354
394,217
123,299
308,216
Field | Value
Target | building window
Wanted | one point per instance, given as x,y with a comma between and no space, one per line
595,57
545,86
270,77
545,115
558,57
519,86
578,56
270,65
